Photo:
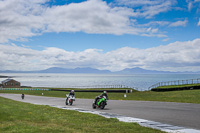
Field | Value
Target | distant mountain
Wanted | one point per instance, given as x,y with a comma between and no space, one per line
138,70
62,70
135,70
10,71
2,76
55,70
76,70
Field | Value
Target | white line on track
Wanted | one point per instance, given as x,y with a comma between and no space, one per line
142,122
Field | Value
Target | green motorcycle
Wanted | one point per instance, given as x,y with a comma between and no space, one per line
101,103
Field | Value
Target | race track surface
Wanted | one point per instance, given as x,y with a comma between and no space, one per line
178,114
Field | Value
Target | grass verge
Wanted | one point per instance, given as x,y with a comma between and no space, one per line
177,86
24,117
185,96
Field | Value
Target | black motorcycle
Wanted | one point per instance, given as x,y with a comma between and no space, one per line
23,96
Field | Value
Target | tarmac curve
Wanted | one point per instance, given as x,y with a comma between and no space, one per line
179,114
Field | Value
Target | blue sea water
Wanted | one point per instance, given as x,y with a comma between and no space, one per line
139,81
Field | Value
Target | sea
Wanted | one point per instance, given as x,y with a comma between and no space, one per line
140,82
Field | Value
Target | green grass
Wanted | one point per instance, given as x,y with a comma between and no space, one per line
92,89
185,96
177,86
18,117
69,89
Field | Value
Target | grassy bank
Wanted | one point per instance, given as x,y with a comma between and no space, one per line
177,86
23,117
69,89
186,96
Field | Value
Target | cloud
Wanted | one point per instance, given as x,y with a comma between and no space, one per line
198,22
93,16
190,6
155,23
20,19
136,3
179,23
148,8
26,18
166,39
172,57
151,11
23,19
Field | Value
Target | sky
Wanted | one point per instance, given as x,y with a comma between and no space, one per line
102,34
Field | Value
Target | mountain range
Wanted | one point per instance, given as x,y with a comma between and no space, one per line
135,70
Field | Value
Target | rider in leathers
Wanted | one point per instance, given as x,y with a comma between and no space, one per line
100,96
71,94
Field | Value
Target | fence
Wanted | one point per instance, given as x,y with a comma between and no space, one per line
24,89
98,86
97,90
177,82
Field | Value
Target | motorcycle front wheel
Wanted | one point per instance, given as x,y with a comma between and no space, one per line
71,102
102,105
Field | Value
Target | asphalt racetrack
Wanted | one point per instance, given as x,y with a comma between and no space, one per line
178,114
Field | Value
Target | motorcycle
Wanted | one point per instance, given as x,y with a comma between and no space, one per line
101,103
22,96
69,100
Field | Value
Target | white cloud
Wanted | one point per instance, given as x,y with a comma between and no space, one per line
179,23
148,8
190,6
182,23
151,11
136,3
174,57
27,18
166,39
21,19
198,22
92,16
154,23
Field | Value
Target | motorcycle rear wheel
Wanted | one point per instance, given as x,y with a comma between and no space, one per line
93,106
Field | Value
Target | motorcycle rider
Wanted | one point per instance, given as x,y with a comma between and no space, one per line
100,96
71,94
23,96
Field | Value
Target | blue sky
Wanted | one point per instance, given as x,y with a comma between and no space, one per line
112,34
